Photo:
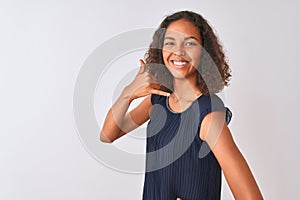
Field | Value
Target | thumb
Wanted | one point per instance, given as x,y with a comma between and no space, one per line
142,67
178,199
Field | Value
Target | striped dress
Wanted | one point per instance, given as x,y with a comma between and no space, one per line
178,162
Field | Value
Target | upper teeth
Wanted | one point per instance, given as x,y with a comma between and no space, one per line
179,63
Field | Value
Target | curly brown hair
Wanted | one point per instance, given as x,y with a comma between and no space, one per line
214,71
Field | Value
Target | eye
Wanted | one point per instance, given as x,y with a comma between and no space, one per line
169,43
191,44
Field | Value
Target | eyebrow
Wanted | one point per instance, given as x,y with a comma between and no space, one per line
186,38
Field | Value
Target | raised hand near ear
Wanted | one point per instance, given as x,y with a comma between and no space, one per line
144,83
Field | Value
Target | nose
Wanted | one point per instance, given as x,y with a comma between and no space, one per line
180,51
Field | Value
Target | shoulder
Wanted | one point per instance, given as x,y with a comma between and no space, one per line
211,100
212,123
214,114
157,99
210,103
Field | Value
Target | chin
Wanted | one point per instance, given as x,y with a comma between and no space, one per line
179,76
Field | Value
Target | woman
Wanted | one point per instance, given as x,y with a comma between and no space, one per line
188,140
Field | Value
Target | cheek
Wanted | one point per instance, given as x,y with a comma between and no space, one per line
196,58
165,55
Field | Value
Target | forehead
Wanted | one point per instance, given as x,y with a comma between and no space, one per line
183,28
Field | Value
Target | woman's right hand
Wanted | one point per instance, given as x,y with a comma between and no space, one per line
143,84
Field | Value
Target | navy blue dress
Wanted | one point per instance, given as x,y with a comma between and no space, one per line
178,162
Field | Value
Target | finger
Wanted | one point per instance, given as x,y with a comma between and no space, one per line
142,67
154,85
159,92
142,62
153,79
178,199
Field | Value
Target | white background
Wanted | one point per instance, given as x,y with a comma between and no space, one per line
43,45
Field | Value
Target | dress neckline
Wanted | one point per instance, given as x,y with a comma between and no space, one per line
175,112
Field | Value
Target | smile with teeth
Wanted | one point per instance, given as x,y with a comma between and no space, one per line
178,63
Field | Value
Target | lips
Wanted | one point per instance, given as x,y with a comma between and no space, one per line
179,63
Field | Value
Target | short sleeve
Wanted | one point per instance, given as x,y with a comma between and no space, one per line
157,99
154,98
214,103
228,115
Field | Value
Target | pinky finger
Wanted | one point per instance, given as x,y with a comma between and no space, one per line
159,92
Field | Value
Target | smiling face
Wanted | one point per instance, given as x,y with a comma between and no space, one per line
182,49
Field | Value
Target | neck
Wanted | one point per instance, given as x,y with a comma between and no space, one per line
186,89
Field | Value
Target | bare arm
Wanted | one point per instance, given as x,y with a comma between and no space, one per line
117,123
216,133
